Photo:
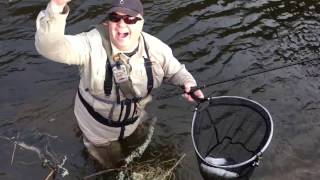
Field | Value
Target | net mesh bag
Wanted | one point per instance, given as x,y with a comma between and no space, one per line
229,135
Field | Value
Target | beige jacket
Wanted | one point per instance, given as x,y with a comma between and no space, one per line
86,50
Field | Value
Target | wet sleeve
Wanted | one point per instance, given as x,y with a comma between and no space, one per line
51,41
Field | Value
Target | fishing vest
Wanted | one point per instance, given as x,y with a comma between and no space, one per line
115,64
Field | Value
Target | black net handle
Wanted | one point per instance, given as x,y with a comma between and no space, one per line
236,100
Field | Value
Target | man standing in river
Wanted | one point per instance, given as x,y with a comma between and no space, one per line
120,65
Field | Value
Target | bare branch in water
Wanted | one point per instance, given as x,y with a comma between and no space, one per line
52,164
169,172
101,173
51,175
14,150
149,169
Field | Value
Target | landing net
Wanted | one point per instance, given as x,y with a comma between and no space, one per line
229,135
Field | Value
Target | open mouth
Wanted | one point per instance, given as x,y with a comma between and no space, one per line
122,35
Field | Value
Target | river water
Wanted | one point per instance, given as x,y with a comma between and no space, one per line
215,39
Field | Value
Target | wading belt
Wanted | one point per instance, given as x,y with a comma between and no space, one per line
109,122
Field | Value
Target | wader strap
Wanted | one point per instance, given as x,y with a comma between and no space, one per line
108,122
123,128
134,109
118,94
122,106
148,66
107,46
126,116
108,80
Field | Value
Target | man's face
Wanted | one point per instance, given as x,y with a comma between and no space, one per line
125,36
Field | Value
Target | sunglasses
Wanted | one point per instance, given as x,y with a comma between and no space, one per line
114,17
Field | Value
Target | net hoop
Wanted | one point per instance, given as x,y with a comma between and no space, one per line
250,103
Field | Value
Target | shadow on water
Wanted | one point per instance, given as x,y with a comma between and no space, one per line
217,40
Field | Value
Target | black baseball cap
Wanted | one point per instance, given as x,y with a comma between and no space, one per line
129,7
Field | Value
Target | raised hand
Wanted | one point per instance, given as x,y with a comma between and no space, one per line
60,2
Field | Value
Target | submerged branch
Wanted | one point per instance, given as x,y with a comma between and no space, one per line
14,150
52,164
169,172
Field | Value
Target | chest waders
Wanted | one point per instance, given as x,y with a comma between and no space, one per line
130,103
